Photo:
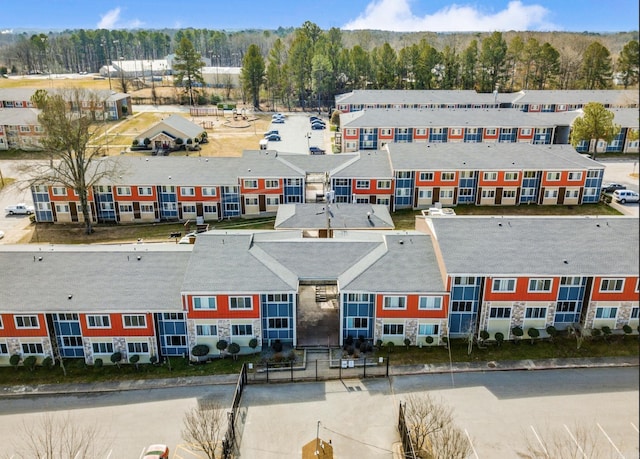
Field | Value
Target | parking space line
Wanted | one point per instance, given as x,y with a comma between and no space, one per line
471,444
546,453
610,441
634,427
575,441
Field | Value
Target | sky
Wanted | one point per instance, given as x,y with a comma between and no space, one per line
394,15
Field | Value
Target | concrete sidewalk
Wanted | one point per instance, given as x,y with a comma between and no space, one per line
394,370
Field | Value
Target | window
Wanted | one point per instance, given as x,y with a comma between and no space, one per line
103,348
393,329
504,285
123,190
553,176
146,208
461,306
62,208
535,313
525,131
490,176
1,325
187,191
456,131
448,176
394,302
175,340
634,313
529,174
273,200
126,208
430,302
511,176
528,192
206,330
404,174
384,184
464,281
3,348
446,193
279,322
488,193
428,329
606,313
208,191
341,182
250,201
271,183
490,131
242,330
168,189
96,321
72,341
169,206
25,129
138,348
611,285
575,176
571,280
421,131
188,209
204,302
540,285
551,193
571,193
500,313
566,306
357,322
508,193
27,322
251,183
362,184
425,193
350,132
59,191
32,348
240,302
593,174
385,131
135,321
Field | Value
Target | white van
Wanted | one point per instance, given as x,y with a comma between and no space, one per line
623,196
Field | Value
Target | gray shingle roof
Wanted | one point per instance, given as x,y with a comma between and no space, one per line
426,96
342,216
100,278
19,117
174,124
486,156
370,164
538,245
576,96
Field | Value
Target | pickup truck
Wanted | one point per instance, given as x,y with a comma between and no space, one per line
19,209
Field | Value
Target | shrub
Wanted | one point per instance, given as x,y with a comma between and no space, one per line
349,341
179,141
253,344
201,350
429,340
277,346
484,334
390,346
234,348
47,362
407,342
135,358
595,332
552,332
97,363
627,330
146,141
116,357
378,343
445,340
291,356
221,345
30,362
14,360
499,338
606,332
153,359
533,334
350,350
135,142
517,333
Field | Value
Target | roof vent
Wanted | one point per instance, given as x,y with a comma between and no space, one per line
566,262
401,242
70,296
139,258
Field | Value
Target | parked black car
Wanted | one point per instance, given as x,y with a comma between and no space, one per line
611,187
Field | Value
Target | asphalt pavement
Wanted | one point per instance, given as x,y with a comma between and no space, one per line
394,370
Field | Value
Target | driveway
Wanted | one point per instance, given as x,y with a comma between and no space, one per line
297,135
16,227
626,173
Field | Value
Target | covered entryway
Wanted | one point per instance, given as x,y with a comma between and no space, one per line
318,315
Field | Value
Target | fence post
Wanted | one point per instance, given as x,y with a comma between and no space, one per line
388,355
316,369
364,367
291,367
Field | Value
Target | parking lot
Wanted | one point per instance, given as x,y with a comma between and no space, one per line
297,136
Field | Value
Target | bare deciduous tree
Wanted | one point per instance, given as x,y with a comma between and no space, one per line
432,429
58,436
204,427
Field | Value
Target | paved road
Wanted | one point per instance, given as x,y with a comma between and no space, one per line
500,411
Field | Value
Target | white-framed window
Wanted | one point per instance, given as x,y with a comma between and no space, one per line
242,330
491,193
271,183
634,313
611,285
362,184
134,320
1,324
540,285
123,190
464,281
508,194
209,191
240,302
98,321
273,200
102,348
187,191
170,189
428,329
393,329
606,313
593,174
527,192
125,208
138,347
490,131
490,176
25,129
553,176
571,280
147,208
207,330
421,131
394,302
58,191
550,193
500,313
204,302
278,322
503,285
145,191
448,176
404,174
250,183
403,192
430,302
535,313
107,206
32,348
384,184
424,193
357,322
27,322
446,193
571,193
426,176
189,208
525,131
351,132
62,208
574,176
385,132
250,201
456,131
351,145
511,176
529,174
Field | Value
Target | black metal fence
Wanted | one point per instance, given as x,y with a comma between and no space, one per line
231,440
403,429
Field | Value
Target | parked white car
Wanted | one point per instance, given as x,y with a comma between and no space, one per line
19,209
623,196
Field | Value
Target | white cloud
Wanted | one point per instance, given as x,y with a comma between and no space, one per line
112,20
396,15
